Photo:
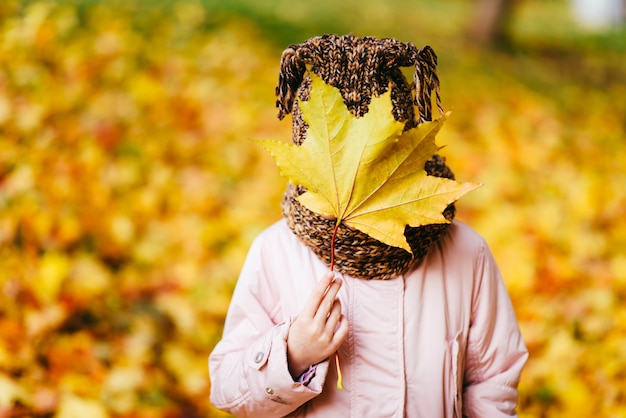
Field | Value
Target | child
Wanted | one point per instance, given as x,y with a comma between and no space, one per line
427,334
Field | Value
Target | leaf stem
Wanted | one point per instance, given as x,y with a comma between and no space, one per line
332,246
339,374
332,266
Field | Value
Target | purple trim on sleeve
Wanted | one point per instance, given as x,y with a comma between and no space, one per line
308,374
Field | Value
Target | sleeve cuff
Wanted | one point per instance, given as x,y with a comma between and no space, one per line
269,376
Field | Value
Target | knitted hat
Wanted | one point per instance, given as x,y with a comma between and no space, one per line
359,68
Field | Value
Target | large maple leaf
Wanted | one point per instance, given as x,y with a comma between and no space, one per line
366,172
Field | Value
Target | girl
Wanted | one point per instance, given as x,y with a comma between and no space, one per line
430,333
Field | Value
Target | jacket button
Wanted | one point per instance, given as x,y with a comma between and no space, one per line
269,391
258,357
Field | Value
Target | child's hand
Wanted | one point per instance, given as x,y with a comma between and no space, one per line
319,329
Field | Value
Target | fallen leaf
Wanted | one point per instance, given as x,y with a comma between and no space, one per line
10,392
75,407
53,270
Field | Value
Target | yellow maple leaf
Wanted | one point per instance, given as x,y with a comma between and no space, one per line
366,172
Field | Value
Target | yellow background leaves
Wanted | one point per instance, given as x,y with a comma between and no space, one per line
130,190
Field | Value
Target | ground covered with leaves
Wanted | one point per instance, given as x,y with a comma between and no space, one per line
130,191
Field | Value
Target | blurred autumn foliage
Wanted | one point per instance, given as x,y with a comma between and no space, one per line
130,191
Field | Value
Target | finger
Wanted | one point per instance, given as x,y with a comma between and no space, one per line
317,295
340,334
328,301
334,316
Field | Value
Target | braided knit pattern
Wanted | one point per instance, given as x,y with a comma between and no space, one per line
360,68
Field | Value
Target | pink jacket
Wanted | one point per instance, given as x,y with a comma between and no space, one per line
439,341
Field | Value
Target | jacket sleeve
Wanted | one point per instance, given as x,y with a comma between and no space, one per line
248,367
496,352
